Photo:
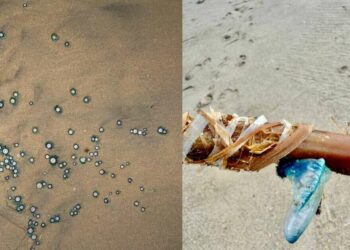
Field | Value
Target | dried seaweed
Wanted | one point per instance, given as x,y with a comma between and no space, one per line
246,143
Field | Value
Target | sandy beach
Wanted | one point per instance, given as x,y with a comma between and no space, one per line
286,60
125,56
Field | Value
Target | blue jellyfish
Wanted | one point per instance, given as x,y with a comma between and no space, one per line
308,177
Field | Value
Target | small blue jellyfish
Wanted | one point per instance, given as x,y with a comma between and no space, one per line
308,178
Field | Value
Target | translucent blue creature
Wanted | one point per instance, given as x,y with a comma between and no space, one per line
308,178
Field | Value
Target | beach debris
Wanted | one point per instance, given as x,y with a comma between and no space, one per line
66,173
98,163
62,164
58,109
66,44
55,219
71,131
82,159
33,209
94,138
9,164
119,123
18,202
193,132
95,194
2,34
43,184
86,99
31,160
161,130
14,98
31,229
49,145
13,101
34,212
53,160
22,153
55,37
35,130
76,146
73,91
75,210
252,143
135,131
40,184
240,143
308,177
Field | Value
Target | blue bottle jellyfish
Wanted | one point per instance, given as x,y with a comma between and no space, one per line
308,178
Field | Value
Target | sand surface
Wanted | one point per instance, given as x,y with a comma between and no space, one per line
283,59
126,56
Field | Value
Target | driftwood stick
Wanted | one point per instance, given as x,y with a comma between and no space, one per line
333,147
263,146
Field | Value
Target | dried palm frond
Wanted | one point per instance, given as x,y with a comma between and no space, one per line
240,142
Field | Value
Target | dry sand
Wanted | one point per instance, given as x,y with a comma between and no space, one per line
126,55
295,52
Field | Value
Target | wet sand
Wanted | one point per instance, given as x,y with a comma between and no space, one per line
284,60
125,55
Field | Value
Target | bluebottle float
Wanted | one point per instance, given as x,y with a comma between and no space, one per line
234,142
308,177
